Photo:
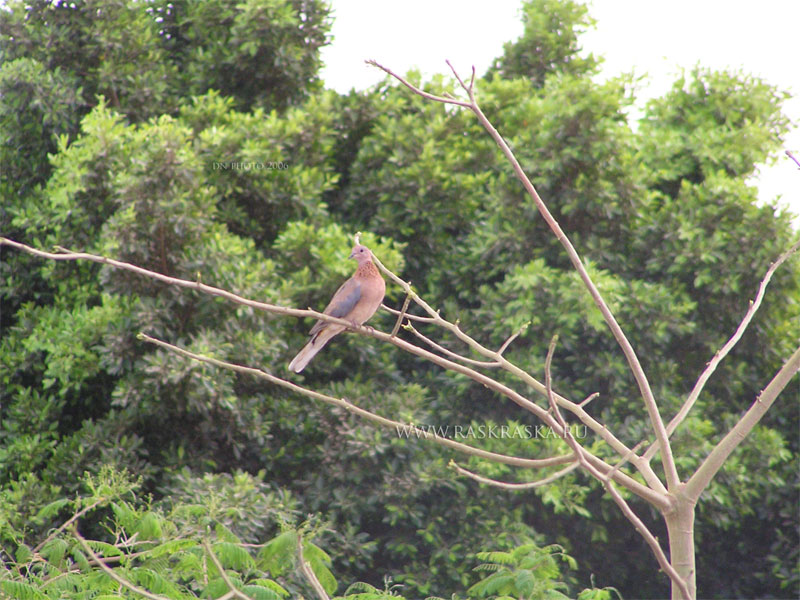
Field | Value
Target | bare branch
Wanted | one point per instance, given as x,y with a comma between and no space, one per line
370,416
435,318
111,573
792,156
450,353
548,361
582,456
589,398
655,496
470,89
184,283
418,91
401,316
308,572
714,461
725,350
516,486
408,316
627,349
235,592
512,337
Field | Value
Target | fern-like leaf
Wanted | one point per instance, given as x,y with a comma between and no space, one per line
20,590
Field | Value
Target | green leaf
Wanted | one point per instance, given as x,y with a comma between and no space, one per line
279,554
21,591
52,509
233,556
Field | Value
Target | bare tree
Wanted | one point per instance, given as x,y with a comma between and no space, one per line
675,497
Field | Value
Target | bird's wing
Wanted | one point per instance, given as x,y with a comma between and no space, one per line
343,302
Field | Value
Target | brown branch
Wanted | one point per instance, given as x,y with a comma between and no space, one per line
234,591
450,353
532,463
511,338
755,304
655,496
717,457
658,500
283,310
416,90
516,486
589,398
308,572
184,283
408,316
643,466
651,406
605,479
401,316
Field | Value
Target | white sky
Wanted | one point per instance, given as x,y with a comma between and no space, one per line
651,37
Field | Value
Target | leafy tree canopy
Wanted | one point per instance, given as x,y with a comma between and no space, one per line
196,139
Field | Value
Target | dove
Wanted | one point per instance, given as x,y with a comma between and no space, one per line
356,301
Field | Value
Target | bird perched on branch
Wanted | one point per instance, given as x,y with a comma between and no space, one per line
356,301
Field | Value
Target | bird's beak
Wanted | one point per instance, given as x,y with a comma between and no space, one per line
352,253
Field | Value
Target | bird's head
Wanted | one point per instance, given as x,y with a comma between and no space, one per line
361,253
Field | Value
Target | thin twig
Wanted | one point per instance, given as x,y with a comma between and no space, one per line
792,156
516,486
450,353
469,89
511,338
237,593
401,316
308,572
442,99
408,316
69,522
588,399
111,573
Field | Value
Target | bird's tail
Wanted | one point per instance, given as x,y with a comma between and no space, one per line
316,344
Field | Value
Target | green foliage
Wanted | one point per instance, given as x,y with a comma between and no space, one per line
529,572
156,548
37,106
193,138
687,132
149,546
119,55
260,52
548,44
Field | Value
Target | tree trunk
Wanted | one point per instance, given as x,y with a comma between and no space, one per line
680,528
